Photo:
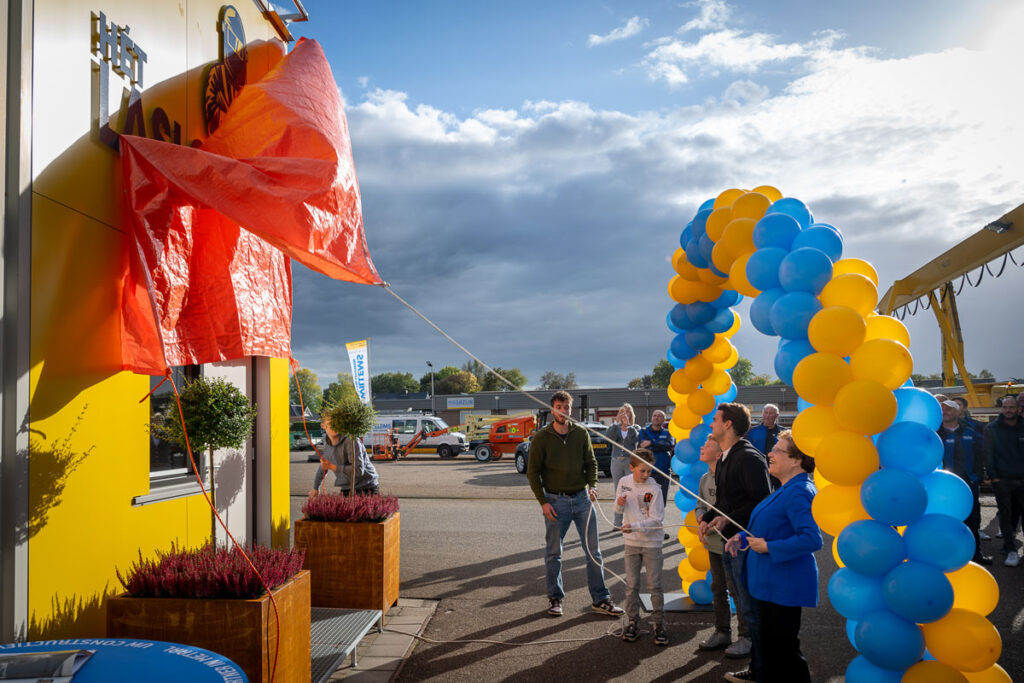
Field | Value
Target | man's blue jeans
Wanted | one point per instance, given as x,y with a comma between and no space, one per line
573,510
735,567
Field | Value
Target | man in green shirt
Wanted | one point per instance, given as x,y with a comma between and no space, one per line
563,476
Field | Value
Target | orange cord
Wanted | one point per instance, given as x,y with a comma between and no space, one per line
188,446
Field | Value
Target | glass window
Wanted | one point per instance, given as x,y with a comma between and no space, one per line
405,426
430,426
168,462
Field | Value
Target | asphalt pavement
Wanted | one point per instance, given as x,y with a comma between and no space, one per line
472,538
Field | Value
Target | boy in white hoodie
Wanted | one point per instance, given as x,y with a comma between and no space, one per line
638,498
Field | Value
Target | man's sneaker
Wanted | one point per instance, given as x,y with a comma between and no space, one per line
630,633
982,559
983,536
739,650
555,607
1012,559
660,635
608,607
740,676
717,641
999,534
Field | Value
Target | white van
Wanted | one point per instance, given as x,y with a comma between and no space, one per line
406,425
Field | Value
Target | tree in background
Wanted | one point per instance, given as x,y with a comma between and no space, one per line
514,375
553,380
394,383
342,390
446,371
644,382
459,382
984,374
661,374
743,375
312,394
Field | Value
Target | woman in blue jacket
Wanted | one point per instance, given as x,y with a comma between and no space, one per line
782,574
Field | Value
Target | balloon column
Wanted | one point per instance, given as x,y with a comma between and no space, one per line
915,603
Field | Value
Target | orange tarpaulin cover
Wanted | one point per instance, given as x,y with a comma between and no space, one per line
212,229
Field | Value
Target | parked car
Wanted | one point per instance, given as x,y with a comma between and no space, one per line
602,451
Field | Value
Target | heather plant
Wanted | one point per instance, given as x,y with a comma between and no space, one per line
209,572
359,508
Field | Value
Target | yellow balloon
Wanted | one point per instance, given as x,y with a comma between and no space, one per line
678,433
690,519
688,573
964,640
716,223
738,237
751,205
883,360
812,425
853,290
688,537
681,382
719,351
684,418
819,480
682,291
699,558
993,674
846,458
727,197
974,589
698,368
718,383
835,549
736,322
701,402
707,276
733,358
836,329
674,396
722,258
886,327
837,506
768,191
855,266
708,292
819,377
738,277
931,671
864,406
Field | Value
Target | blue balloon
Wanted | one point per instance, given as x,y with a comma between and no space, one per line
917,405
763,267
685,502
761,310
892,496
716,271
708,204
687,452
918,592
910,383
700,313
671,325
700,592
853,595
792,207
802,405
680,347
790,353
776,230
851,626
679,467
710,417
705,244
948,494
870,547
889,641
910,446
699,338
699,469
686,235
860,670
680,318
699,225
823,237
693,254
792,313
722,321
699,434
728,396
674,360
804,270
726,299
941,541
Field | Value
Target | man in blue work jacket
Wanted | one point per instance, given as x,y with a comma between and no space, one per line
964,455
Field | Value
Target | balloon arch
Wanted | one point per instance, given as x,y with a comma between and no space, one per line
915,604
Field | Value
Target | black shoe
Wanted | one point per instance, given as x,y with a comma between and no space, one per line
983,559
630,634
660,635
555,607
740,676
666,537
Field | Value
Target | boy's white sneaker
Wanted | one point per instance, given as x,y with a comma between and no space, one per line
1012,559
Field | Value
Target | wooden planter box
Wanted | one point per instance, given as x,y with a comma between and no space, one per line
354,564
244,631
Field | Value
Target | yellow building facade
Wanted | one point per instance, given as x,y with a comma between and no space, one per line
84,486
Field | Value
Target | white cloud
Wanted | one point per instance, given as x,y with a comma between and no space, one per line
632,27
727,49
713,15
746,92
363,81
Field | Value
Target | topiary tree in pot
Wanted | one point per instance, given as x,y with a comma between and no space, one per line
217,415
353,419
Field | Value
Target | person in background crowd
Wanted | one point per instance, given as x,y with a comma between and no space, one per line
710,452
563,477
658,440
965,415
964,456
1004,459
626,432
782,574
741,482
764,435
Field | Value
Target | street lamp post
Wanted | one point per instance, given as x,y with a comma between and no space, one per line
647,404
497,399
431,366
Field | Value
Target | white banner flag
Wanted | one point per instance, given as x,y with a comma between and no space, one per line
359,357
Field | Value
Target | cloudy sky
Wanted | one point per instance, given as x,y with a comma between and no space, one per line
526,168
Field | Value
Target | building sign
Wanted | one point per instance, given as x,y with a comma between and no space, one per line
460,403
227,77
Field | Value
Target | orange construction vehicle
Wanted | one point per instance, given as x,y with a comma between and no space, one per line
386,446
504,437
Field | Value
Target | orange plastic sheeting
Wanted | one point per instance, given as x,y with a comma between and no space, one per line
198,287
